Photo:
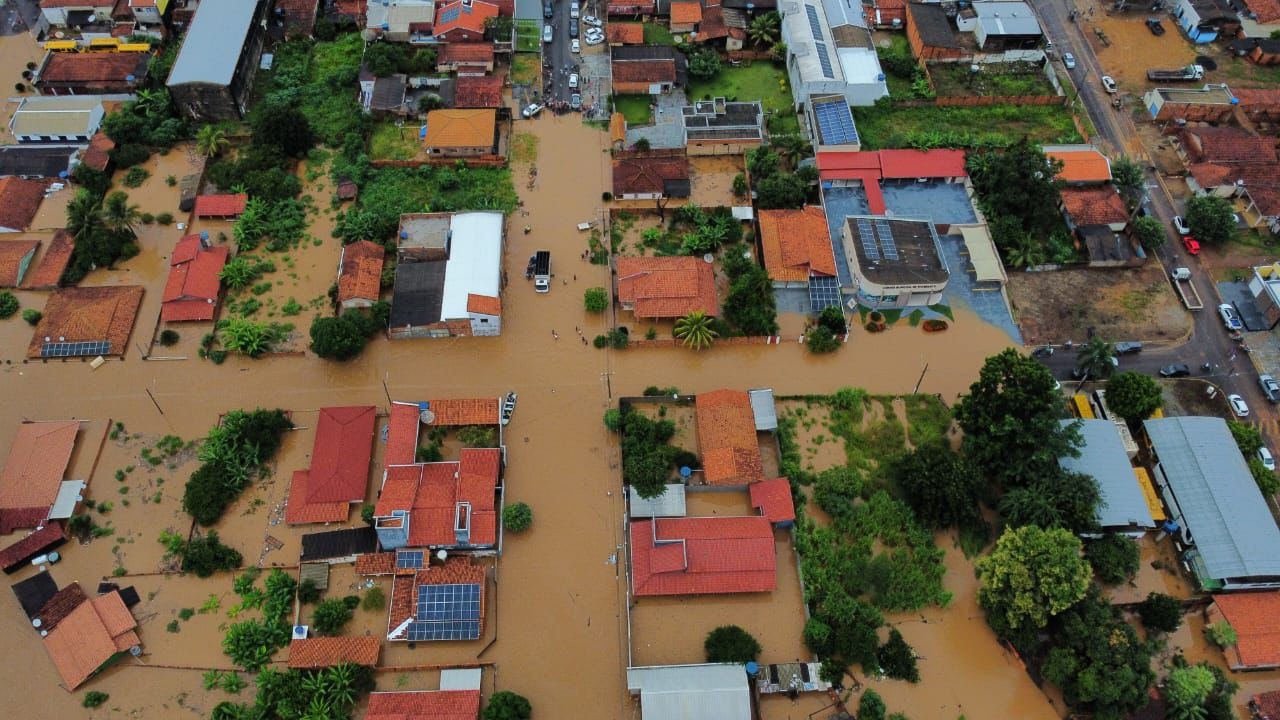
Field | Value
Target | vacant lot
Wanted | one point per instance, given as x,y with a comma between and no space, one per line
996,79
1139,304
759,80
907,126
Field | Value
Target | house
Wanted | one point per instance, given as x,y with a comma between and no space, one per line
796,246
1001,26
382,94
1081,164
1259,50
1204,20
339,472
437,602
401,20
19,201
1083,207
15,260
624,33
721,23
299,17
1265,706
76,13
221,207
702,556
651,177
20,554
1265,288
666,287
96,633
617,131
86,322
932,35
421,704
896,262
91,73
631,8
1212,103
151,12
465,59
1223,525
829,52
1255,617
1224,146
212,78
31,479
441,505
1260,105
720,127
691,692
67,119
1122,507
98,155
483,91
463,20
47,274
685,15
727,444
455,292
360,274
402,433
773,499
323,652
831,125
870,169
33,162
461,133
195,281
647,69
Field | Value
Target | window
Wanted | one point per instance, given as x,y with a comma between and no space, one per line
484,320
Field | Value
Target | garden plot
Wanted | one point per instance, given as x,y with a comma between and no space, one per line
994,79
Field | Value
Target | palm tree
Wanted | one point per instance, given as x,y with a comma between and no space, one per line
791,148
1026,253
211,140
1097,358
765,29
152,103
118,215
695,330
84,216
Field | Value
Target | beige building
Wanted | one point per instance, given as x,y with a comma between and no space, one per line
895,262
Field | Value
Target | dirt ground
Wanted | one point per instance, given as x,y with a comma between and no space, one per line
1129,48
1119,304
712,178
1190,396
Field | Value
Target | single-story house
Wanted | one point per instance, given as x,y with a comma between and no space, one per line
1081,164
222,207
19,555
1122,508
98,155
92,635
415,704
718,691
32,477
399,20
407,418
666,287
67,119
1211,103
299,17
773,499
76,13
19,202
1107,248
482,91
463,20
34,592
1259,50
1001,25
720,127
796,246
702,556
465,59
86,322
438,602
323,652
47,274
932,35
360,274
1204,20
338,546
33,162
1265,288
684,15
647,69
1255,617
727,444
212,77
1225,145
461,133
91,73
195,280
1083,207
456,295
382,94
624,33
15,260
651,177
151,12
339,472
720,23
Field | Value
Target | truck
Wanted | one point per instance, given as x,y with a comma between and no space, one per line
542,271
1182,74
1186,289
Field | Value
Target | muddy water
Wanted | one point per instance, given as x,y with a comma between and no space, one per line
1190,638
15,52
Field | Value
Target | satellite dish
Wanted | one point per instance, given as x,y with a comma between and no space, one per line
427,417
136,650
442,555
708,258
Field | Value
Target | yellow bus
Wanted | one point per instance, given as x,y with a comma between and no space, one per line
112,44
1080,404
1149,494
134,47
62,46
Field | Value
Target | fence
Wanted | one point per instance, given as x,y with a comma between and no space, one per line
480,161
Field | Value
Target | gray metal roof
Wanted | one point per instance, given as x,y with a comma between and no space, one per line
1007,18
763,408
1218,498
669,504
691,692
1102,457
212,47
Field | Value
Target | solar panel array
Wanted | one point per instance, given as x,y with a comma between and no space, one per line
885,235
825,61
814,26
450,15
409,559
447,612
824,292
74,349
868,238
835,122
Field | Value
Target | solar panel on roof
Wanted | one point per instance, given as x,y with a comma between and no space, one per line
450,14
868,238
825,61
814,26
835,123
885,234
824,292
447,612
459,630
74,349
411,559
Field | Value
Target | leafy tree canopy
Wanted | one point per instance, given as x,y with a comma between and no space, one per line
506,705
1211,219
730,644
1030,576
1133,396
1114,558
941,486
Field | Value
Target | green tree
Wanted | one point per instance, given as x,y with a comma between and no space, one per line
694,330
8,304
506,705
119,216
94,698
308,592
337,338
1115,558
385,58
1018,181
1133,396
704,62
1187,690
781,192
1025,251
942,487
1097,660
897,659
211,140
247,337
282,126
730,644
1211,219
1096,359
1221,634
1248,438
1160,612
792,148
750,305
330,616
206,555
1058,499
613,419
595,299
1267,481
871,706
1149,232
765,29
31,316
1030,576
1127,177
820,340
517,518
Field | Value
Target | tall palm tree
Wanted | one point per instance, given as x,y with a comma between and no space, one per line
765,29
211,140
84,216
695,330
1097,358
791,148
118,215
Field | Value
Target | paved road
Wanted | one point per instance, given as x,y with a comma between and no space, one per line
557,56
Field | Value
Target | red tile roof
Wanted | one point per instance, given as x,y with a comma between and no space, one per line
19,201
424,705
484,91
360,274
773,499
76,3
33,471
645,175
1266,705
667,287
700,556
686,13
796,243
298,511
383,563
341,454
454,571
220,206
909,164
484,304
727,438
432,493
88,314
1267,11
47,273
323,652
98,154
464,411
94,68
469,17
402,434
625,33
1094,206
1255,616
646,71
48,536
1227,145
60,606
191,292
1082,166
473,53
90,636
12,255
299,16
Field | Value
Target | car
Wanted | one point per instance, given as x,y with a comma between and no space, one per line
1175,371
1180,224
1230,317
547,34
1125,348
1109,84
594,39
1069,61
592,20
1270,388
1191,244
1238,405
575,101
573,10
573,28
547,10
594,34
575,46
1268,461
531,111
573,80
1154,25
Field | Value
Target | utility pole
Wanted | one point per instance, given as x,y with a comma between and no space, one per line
916,391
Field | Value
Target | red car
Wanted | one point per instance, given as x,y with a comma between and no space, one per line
1191,244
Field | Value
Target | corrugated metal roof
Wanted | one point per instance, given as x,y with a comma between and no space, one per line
691,692
212,47
1220,502
762,407
69,494
460,679
669,504
1103,458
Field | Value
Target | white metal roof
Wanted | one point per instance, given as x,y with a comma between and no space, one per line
57,115
460,679
860,66
475,261
212,47
669,504
763,408
1007,18
1102,457
691,692
70,492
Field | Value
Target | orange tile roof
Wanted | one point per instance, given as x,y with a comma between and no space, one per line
773,499
402,434
48,272
1082,166
98,154
617,126
484,304
19,201
12,255
463,16
298,511
1227,145
95,69
35,466
625,33
328,651
702,556
460,128
92,634
219,206
456,53
667,287
194,284
89,314
360,274
1268,11
686,13
646,175
465,411
1094,206
424,705
383,563
727,438
1255,616
1266,705
796,242
477,91
431,493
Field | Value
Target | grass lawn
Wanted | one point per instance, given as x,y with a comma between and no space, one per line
655,34
635,108
895,126
386,142
525,69
528,36
760,80
1002,79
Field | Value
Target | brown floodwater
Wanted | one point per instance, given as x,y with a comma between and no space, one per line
562,574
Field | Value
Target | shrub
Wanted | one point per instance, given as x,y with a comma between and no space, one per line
820,340
517,518
206,555
897,660
330,616
32,316
165,218
1160,612
308,592
94,698
1114,558
870,706
374,599
135,177
8,304
730,644
595,299
477,436
342,338
169,337
506,705
147,218
1221,634
613,419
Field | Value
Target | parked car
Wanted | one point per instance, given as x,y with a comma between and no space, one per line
1109,84
1191,244
592,20
547,10
594,39
1268,461
575,101
593,33
1230,317
1154,25
547,35
573,28
1175,371
1125,348
531,111
573,10
1270,387
573,78
1069,61
1238,405
1180,224
575,46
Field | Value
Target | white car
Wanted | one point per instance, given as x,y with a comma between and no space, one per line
1230,318
1268,461
575,46
1238,405
594,39
1109,84
1069,60
547,34
573,80
1180,224
592,20
573,10
531,111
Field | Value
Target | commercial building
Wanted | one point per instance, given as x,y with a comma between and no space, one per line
68,119
691,692
1001,26
453,291
829,52
1122,508
895,262
213,75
